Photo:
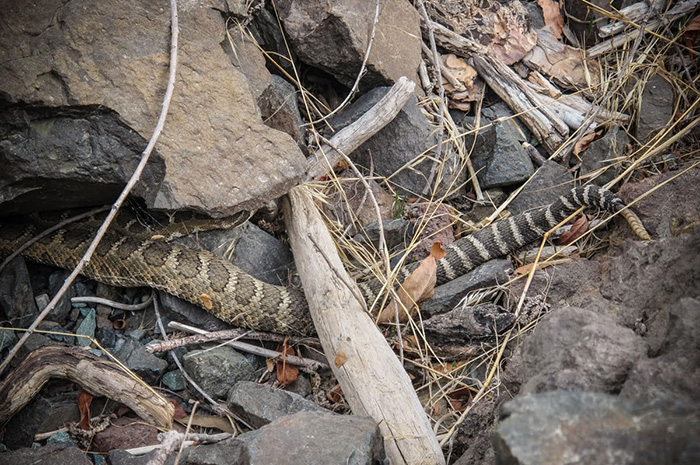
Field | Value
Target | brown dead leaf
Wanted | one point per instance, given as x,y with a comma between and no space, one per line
179,411
693,25
419,286
340,359
206,301
552,16
209,421
84,401
286,373
579,227
584,142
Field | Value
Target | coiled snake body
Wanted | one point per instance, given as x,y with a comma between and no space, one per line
232,295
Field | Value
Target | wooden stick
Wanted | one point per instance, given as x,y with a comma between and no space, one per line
354,135
373,381
97,376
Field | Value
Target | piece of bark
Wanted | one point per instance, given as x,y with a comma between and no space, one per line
373,380
95,375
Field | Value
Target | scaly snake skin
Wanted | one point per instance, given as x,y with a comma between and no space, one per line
232,295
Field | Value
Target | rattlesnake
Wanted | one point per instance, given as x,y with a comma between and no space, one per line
232,295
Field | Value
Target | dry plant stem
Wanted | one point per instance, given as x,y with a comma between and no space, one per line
122,197
187,430
204,337
48,231
678,10
354,135
361,73
441,91
368,190
113,304
95,375
373,380
218,408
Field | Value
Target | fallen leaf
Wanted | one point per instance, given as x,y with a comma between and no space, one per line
209,421
525,269
552,16
340,359
579,227
206,301
693,25
84,401
419,286
286,373
584,142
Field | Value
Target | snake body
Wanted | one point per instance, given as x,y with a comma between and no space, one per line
234,296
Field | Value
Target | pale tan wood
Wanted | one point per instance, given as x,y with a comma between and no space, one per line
373,380
97,376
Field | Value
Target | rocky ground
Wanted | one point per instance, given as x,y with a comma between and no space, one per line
596,360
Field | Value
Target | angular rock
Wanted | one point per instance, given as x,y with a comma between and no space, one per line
656,110
469,324
248,247
674,371
16,296
125,433
80,56
396,232
47,455
547,184
176,309
42,414
399,143
279,108
577,349
57,158
585,427
449,294
217,369
333,36
134,355
260,405
605,155
508,163
312,438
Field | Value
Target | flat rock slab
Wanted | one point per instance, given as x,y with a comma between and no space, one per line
219,157
586,427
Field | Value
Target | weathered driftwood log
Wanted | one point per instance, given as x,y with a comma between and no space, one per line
373,380
95,375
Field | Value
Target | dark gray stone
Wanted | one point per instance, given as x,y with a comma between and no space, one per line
176,309
312,438
7,338
585,427
279,108
396,232
397,144
250,248
465,324
656,110
605,154
333,36
449,294
508,163
122,457
134,355
545,187
260,405
577,349
64,306
672,372
16,296
87,328
217,369
57,159
52,454
174,380
42,414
